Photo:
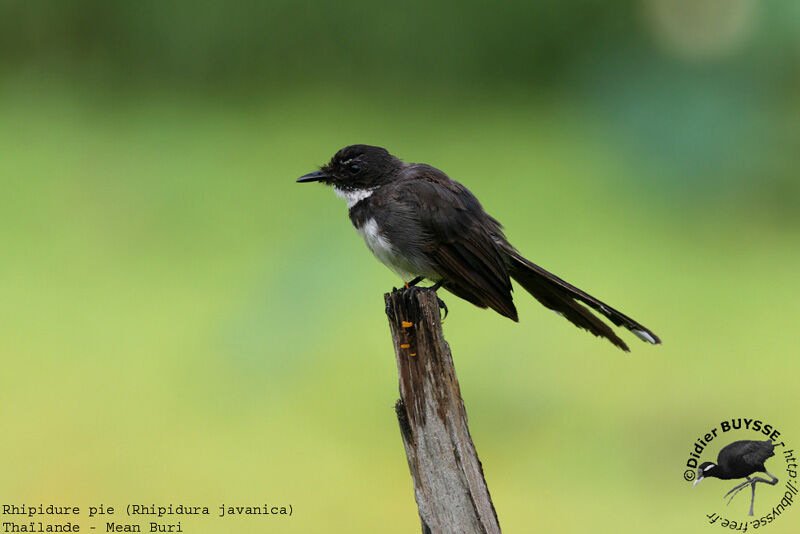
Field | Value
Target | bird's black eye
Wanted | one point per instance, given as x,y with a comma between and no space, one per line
354,168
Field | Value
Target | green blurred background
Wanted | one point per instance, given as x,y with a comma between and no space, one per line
182,323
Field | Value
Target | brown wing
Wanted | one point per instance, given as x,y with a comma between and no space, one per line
459,238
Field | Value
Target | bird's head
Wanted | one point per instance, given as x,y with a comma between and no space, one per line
706,469
356,168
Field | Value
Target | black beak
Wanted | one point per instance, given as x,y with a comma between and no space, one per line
317,176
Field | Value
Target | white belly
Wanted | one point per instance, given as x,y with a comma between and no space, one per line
384,251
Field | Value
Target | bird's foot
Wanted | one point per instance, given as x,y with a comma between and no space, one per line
737,489
411,288
442,306
409,291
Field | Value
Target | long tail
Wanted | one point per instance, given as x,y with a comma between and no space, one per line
562,297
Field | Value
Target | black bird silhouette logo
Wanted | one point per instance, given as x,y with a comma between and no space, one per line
740,459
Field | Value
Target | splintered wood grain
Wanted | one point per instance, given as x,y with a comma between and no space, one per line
449,486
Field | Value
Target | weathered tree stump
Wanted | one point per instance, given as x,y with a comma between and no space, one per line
449,486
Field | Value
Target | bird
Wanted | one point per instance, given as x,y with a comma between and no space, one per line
740,459
424,225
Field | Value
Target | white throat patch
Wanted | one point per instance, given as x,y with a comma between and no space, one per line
354,196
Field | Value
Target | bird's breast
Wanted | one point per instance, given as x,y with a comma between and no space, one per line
376,240
386,252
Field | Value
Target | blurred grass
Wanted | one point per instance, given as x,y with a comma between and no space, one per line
183,323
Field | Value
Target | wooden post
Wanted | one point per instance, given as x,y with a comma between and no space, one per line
449,487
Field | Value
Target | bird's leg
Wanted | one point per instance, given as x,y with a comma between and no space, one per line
415,281
755,480
770,482
412,283
737,489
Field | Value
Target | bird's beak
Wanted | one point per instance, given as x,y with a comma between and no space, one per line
697,481
317,176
